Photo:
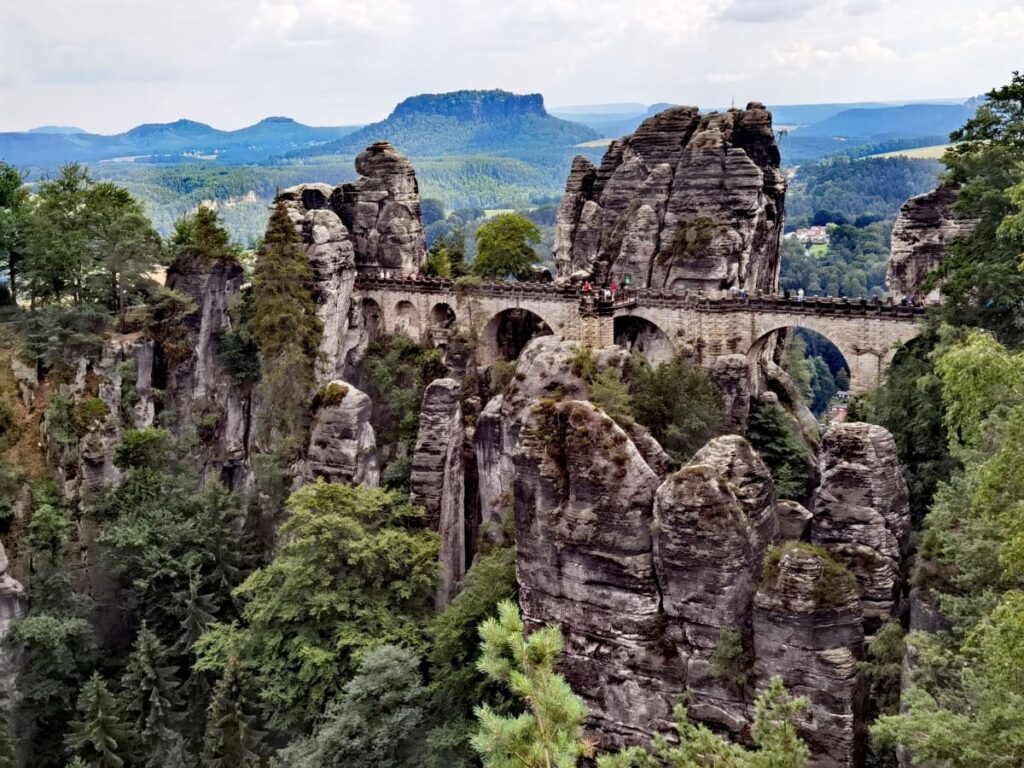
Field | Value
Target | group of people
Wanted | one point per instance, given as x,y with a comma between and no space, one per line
607,293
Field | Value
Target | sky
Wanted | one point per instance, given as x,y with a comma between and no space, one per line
106,66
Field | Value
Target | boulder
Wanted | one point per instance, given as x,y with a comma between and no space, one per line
794,520
342,444
808,630
862,512
437,480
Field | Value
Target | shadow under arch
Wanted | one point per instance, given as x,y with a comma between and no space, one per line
638,333
508,332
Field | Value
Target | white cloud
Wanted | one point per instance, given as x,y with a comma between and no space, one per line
108,64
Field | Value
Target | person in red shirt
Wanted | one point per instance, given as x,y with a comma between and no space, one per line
586,286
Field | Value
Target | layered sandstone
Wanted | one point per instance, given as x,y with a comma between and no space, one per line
687,201
922,234
342,444
437,482
862,512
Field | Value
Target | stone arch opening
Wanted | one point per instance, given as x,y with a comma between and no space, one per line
442,316
818,368
508,332
407,320
638,333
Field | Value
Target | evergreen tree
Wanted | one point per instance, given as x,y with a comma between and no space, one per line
14,208
98,736
550,733
232,739
284,325
149,697
200,240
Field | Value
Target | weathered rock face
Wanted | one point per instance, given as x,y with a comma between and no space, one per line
544,371
200,389
382,210
794,520
921,237
583,506
437,481
372,222
13,606
862,513
707,560
735,460
342,444
808,629
687,201
731,374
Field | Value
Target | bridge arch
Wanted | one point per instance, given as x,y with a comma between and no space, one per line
508,331
865,365
634,332
407,320
442,316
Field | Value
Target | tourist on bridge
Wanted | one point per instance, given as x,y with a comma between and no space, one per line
614,288
586,286
800,295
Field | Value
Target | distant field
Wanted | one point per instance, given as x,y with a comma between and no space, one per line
595,143
818,250
920,153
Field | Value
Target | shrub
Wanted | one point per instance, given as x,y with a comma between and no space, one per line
89,413
771,433
149,447
729,660
832,587
240,355
331,395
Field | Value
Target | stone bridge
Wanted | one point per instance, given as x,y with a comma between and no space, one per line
657,322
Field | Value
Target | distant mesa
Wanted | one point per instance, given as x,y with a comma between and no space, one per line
59,130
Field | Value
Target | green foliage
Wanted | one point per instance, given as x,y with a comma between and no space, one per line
200,242
149,698
611,394
728,659
378,720
56,337
833,586
150,447
772,433
356,569
550,732
690,241
981,279
14,210
457,685
48,531
678,403
504,247
854,263
98,737
164,318
396,371
774,734
447,254
331,395
241,355
88,413
88,243
232,739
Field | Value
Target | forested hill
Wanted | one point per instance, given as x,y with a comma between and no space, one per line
466,122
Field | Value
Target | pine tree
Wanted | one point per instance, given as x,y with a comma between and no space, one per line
550,733
98,737
150,697
285,327
232,740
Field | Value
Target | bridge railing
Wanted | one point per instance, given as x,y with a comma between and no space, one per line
652,297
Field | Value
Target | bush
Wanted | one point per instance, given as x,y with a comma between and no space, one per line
240,355
89,413
729,660
149,447
331,395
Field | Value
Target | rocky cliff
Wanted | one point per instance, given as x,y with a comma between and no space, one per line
925,229
687,201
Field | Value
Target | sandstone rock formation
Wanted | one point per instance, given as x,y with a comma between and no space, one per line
687,201
808,629
342,444
731,374
584,499
438,479
862,512
794,520
13,606
371,223
736,461
707,561
921,236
